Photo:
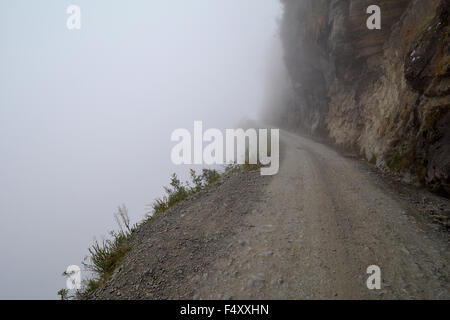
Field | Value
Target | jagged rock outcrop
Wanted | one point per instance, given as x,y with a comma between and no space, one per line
383,93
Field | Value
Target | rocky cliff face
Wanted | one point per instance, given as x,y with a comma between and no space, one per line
384,93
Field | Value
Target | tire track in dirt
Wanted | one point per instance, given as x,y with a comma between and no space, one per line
309,232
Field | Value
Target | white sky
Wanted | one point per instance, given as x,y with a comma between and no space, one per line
86,116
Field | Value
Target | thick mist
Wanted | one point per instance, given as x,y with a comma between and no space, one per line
86,115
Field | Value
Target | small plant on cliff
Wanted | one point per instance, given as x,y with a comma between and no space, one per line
105,256
209,176
178,191
249,166
64,294
197,181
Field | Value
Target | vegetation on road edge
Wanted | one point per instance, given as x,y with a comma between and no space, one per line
105,256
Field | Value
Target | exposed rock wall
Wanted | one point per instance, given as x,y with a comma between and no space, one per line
384,93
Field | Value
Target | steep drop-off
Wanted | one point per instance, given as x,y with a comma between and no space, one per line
308,232
383,93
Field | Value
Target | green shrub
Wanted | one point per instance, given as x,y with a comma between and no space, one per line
64,294
177,191
209,176
105,256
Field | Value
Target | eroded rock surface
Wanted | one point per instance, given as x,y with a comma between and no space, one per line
383,93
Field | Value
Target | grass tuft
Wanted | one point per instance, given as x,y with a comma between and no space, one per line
178,191
106,255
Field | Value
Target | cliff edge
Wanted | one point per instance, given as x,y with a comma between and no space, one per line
382,93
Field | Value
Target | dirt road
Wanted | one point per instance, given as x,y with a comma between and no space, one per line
309,232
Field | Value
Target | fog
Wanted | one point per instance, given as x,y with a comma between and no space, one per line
86,115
